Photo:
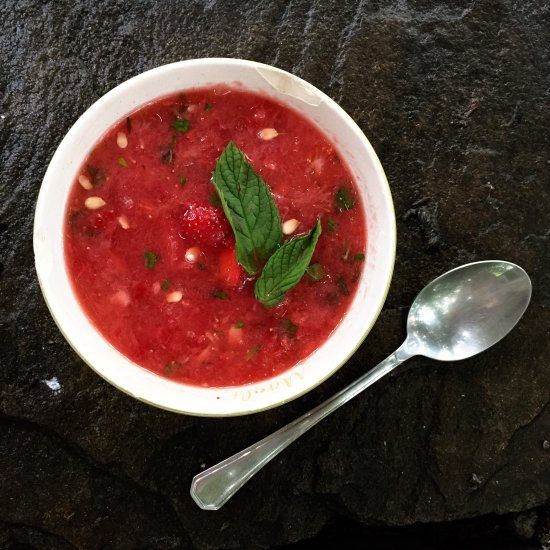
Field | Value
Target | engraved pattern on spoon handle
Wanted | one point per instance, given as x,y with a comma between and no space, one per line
212,488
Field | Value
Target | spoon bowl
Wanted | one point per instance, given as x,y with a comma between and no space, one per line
460,314
467,310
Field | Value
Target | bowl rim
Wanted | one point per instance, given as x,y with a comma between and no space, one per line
237,62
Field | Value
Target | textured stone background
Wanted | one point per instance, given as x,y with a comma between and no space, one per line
455,97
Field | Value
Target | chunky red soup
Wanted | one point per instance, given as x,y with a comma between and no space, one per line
151,254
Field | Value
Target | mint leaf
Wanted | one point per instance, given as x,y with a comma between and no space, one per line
331,226
285,268
171,367
286,326
249,207
342,286
344,200
150,259
316,272
253,351
181,125
97,175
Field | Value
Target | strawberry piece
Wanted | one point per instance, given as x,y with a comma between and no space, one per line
204,225
229,270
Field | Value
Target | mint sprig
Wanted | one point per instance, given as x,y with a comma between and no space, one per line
286,267
254,217
249,207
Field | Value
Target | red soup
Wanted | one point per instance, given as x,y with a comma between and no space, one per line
151,254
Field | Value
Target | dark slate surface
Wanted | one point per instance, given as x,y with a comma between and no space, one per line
455,97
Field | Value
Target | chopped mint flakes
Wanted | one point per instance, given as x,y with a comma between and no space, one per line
344,200
150,259
181,125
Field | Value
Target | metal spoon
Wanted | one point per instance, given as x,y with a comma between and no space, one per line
459,314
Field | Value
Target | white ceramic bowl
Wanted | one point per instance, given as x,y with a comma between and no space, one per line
352,145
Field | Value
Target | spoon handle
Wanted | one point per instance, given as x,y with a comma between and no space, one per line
212,488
